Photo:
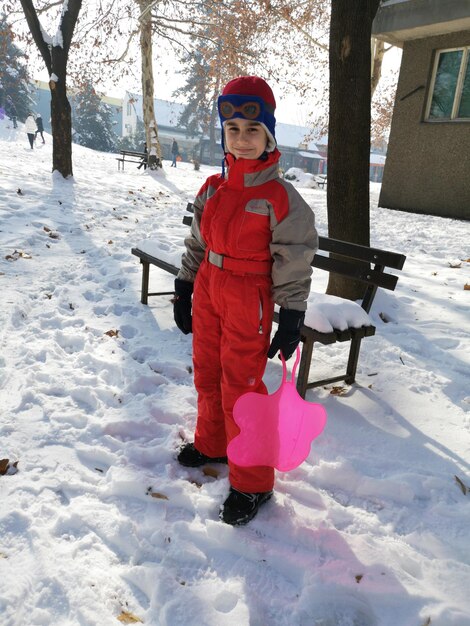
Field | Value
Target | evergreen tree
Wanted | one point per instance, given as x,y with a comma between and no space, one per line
92,120
15,90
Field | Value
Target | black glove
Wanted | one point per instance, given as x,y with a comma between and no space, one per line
182,305
287,336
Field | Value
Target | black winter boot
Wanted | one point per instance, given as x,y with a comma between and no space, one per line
190,457
239,508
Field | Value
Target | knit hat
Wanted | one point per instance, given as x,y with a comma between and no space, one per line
249,97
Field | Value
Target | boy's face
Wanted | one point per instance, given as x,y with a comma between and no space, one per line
245,139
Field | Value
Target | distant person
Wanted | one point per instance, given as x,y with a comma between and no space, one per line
174,151
145,159
40,127
31,128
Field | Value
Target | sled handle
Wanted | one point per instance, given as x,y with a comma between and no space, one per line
294,369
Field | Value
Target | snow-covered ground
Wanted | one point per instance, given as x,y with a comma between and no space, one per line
100,525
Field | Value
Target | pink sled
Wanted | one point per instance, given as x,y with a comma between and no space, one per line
276,430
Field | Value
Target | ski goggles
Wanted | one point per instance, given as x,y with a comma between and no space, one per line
247,107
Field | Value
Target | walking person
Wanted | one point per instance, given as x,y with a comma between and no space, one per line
251,245
40,127
174,151
30,128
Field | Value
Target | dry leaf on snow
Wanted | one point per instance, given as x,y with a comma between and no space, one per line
112,333
211,471
7,468
463,487
129,618
18,254
156,494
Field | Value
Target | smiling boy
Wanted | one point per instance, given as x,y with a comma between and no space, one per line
251,245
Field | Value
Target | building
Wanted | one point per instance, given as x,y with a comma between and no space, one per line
427,168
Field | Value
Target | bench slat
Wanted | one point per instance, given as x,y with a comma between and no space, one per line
364,274
363,253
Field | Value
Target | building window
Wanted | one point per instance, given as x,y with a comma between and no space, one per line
449,97
129,109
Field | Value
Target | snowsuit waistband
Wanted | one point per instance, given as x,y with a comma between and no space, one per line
239,266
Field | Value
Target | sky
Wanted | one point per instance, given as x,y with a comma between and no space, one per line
99,525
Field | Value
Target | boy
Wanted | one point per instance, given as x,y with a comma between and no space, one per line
252,241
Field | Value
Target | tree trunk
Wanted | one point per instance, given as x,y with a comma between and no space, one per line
151,128
56,57
349,130
61,115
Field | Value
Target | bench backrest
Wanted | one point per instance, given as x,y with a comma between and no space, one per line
360,263
353,260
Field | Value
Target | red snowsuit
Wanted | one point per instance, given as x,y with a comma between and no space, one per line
253,237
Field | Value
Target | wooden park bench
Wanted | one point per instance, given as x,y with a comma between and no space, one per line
130,156
367,265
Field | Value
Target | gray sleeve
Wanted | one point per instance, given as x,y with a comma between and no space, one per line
293,246
194,243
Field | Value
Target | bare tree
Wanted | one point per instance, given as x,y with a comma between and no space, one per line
55,51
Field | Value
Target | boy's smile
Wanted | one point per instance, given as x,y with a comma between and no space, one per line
245,139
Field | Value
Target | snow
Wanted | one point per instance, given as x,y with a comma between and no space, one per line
301,179
96,394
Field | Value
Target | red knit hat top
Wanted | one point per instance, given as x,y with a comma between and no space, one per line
251,86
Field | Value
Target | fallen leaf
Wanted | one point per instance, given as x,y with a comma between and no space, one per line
196,483
18,254
54,235
463,487
156,494
7,468
466,287
19,192
210,471
112,333
338,391
47,229
159,496
110,241
359,577
129,618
